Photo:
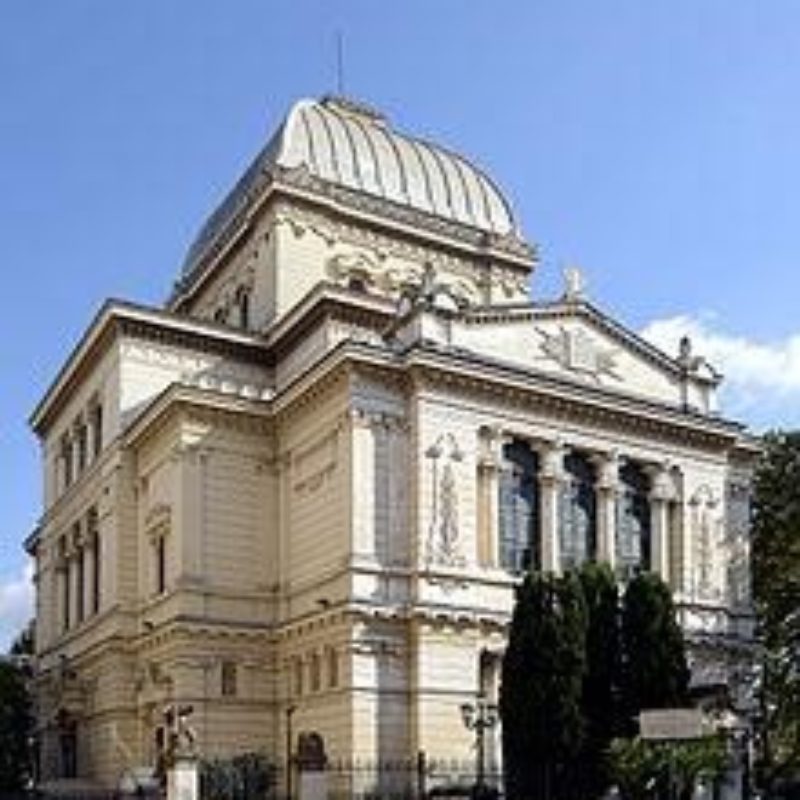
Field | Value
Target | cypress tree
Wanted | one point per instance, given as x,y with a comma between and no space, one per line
540,700
655,673
600,696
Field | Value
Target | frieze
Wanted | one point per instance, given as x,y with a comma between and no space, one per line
559,407
300,177
381,246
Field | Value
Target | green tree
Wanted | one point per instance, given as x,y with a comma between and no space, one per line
655,672
776,585
16,721
600,693
540,699
638,767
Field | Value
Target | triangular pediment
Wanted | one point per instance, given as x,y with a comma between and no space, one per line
578,343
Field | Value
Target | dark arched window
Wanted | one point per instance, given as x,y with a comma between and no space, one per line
519,508
633,520
243,301
578,525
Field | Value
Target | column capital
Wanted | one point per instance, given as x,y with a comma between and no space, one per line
607,464
662,485
552,455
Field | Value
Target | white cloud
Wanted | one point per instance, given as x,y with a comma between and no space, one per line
16,605
762,379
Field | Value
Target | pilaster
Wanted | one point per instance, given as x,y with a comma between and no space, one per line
551,477
606,489
660,494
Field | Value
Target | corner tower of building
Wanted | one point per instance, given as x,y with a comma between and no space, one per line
338,196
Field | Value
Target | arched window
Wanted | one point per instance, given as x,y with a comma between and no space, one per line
578,534
633,520
243,302
519,508
315,673
333,668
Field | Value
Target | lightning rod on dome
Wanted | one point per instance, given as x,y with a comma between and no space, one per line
339,63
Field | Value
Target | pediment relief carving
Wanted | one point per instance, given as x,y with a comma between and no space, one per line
578,351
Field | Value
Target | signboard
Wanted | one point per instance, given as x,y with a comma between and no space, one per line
672,724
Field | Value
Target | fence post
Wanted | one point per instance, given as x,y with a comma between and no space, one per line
422,769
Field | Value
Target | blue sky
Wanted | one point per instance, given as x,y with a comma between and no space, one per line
653,143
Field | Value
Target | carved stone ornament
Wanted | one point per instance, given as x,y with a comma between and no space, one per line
577,351
706,529
444,546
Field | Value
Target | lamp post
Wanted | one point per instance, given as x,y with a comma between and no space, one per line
290,709
479,717
737,729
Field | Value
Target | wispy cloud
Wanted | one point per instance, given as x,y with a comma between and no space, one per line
762,379
16,605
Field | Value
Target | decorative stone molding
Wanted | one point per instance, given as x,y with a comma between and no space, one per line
579,352
157,521
444,546
315,463
706,529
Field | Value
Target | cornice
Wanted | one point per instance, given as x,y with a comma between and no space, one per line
221,406
119,318
341,203
566,398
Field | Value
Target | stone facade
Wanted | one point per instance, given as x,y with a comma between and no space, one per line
303,493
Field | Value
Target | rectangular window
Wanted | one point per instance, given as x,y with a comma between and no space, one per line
316,678
66,461
81,565
161,565
518,504
298,677
94,543
333,668
82,440
65,588
97,429
228,679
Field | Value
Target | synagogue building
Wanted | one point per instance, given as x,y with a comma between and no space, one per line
299,496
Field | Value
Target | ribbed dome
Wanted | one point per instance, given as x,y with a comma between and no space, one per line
351,145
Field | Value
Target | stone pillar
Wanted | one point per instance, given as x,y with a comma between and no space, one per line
182,779
90,433
88,576
74,587
364,429
550,480
606,492
61,575
75,435
489,467
660,495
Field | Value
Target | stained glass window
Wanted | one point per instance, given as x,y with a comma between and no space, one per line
519,508
633,520
578,522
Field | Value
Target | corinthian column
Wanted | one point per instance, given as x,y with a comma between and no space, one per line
606,493
660,494
550,479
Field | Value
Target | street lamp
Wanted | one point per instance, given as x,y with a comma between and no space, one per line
736,728
290,709
480,717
